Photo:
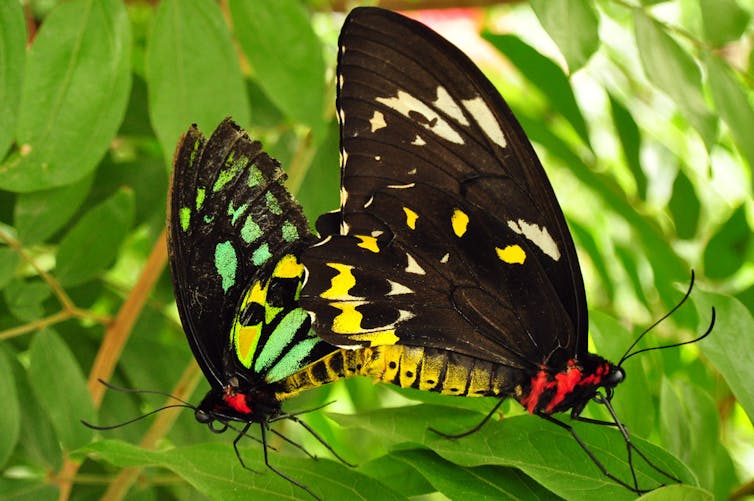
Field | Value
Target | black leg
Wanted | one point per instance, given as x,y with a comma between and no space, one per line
278,472
475,428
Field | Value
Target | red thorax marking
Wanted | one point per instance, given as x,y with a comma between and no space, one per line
237,401
563,383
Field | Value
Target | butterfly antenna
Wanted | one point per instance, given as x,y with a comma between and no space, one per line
629,354
121,389
130,421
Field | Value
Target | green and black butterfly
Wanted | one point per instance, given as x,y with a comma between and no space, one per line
234,234
449,263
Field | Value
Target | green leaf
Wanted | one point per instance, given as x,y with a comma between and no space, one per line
400,475
214,470
319,192
733,103
573,25
9,259
671,69
630,140
723,20
545,452
192,71
10,417
478,483
286,56
25,297
74,97
60,387
545,75
23,490
39,215
92,244
12,55
730,247
684,206
729,346
685,412
678,493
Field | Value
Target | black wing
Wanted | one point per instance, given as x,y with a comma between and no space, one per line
449,233
230,220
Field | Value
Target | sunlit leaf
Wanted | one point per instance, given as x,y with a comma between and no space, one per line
74,95
12,55
192,71
573,25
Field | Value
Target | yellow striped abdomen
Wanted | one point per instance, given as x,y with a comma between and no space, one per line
427,369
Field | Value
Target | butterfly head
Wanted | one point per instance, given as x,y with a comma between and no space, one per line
231,403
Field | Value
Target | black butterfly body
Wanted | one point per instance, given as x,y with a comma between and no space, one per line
449,259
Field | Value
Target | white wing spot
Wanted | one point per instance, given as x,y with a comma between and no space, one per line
369,202
401,186
377,121
322,242
418,141
412,172
486,120
413,266
405,104
446,103
444,259
396,288
376,233
343,197
377,157
538,235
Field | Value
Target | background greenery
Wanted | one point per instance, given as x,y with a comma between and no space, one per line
642,114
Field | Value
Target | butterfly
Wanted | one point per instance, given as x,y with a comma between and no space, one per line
449,259
234,235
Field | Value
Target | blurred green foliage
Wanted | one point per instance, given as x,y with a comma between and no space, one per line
642,114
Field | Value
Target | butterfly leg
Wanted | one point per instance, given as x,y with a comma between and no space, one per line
320,440
263,427
240,435
629,444
474,429
634,488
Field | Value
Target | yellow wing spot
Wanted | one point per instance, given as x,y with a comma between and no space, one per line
288,267
377,338
257,294
368,243
411,218
340,283
246,343
349,320
512,254
460,221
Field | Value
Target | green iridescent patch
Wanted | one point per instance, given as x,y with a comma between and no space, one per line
293,360
290,233
201,193
261,255
227,175
185,217
250,230
236,213
280,338
255,177
226,263
272,203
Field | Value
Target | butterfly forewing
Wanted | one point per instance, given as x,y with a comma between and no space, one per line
230,222
443,195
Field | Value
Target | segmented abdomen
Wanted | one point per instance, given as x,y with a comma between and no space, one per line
426,369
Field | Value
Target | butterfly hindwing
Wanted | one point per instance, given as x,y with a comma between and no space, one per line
233,235
439,178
